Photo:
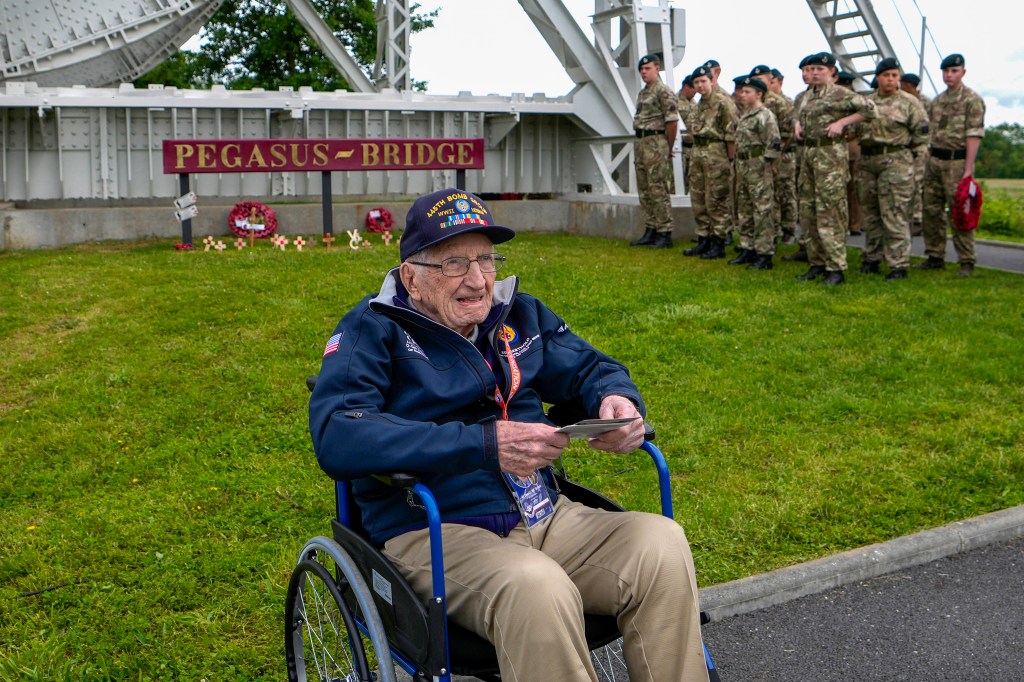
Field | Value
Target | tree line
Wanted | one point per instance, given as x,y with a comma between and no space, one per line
1002,152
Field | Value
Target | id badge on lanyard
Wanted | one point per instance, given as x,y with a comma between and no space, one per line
531,494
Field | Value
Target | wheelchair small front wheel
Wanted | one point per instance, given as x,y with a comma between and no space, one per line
332,630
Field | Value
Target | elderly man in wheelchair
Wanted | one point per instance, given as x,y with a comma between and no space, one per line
443,374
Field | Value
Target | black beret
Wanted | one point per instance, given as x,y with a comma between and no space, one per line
874,83
688,81
824,59
845,78
751,82
712,63
648,59
701,72
777,74
738,80
953,60
911,78
887,64
806,60
760,70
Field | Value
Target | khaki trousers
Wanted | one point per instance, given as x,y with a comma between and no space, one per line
526,593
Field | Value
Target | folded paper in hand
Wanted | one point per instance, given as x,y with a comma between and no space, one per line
590,428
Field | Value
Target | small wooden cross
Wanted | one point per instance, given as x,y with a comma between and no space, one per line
387,237
329,240
299,243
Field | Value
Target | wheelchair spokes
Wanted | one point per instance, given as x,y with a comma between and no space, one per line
610,663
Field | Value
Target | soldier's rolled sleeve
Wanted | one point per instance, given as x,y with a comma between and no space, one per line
975,118
727,121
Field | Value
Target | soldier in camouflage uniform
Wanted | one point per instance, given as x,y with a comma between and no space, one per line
957,126
846,79
909,83
784,186
714,148
757,148
686,105
798,156
655,124
825,112
885,175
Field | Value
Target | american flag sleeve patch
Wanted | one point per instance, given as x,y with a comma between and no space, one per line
333,343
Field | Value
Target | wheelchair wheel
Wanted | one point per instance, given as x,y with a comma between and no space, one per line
332,630
610,663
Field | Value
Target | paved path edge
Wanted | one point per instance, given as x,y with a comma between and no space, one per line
785,584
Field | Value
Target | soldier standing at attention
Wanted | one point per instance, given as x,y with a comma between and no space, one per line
825,112
716,72
686,105
885,179
957,126
846,79
714,149
798,155
909,83
655,123
757,148
785,216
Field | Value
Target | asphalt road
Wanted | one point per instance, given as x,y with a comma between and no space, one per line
958,619
996,255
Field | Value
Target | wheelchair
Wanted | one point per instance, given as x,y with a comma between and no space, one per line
351,616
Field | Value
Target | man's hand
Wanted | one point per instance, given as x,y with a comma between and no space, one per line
625,438
525,447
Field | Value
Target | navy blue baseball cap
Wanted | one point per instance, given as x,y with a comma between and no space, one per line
448,213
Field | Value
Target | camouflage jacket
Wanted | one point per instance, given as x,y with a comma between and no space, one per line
783,111
901,122
714,117
823,105
955,116
685,108
757,129
655,106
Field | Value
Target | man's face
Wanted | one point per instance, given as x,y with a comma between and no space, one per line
765,78
820,74
649,72
952,76
716,71
458,303
688,92
775,85
888,81
748,96
805,73
908,88
702,84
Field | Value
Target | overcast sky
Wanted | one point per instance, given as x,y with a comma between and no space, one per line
491,46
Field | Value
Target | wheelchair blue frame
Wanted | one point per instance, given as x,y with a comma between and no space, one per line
344,501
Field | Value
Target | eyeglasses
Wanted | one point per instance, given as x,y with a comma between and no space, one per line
457,266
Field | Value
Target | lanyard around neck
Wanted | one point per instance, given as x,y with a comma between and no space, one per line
513,366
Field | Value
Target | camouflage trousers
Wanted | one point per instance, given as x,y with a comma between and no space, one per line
940,181
885,183
654,181
785,193
824,214
711,190
755,205
920,164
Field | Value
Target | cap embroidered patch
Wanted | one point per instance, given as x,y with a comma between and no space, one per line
333,343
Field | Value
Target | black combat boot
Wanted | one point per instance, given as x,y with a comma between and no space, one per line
966,270
662,240
833,277
701,248
800,256
645,240
932,263
763,262
898,273
815,272
716,250
870,267
746,256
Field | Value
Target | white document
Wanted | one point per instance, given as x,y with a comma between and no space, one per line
589,428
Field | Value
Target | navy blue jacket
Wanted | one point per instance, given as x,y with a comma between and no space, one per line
404,393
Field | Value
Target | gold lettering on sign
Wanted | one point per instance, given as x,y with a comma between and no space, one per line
371,155
424,154
465,154
296,148
278,152
231,156
446,153
320,154
182,152
207,155
256,159
390,154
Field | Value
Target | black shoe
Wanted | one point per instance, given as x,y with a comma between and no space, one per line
763,262
728,238
898,273
800,256
932,263
966,270
870,267
662,240
746,256
815,272
716,250
645,240
703,244
788,238
833,277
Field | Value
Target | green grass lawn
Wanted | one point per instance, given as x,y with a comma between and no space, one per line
157,470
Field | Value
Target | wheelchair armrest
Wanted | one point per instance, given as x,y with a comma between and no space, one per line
563,414
399,479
